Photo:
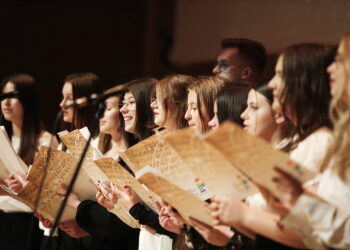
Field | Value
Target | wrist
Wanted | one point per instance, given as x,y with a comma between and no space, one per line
130,204
244,215
76,204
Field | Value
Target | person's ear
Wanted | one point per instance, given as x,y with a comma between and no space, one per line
279,118
247,73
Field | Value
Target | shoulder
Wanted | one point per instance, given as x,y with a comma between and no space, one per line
321,138
47,139
311,151
320,135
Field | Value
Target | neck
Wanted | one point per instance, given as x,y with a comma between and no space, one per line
170,126
118,142
276,136
16,129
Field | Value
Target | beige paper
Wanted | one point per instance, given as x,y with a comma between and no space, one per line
254,156
186,204
141,154
75,142
122,214
49,203
8,156
60,167
210,165
155,152
4,173
121,177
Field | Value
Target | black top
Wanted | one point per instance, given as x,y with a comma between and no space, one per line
107,230
149,218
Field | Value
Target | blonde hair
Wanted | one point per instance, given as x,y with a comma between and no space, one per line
338,152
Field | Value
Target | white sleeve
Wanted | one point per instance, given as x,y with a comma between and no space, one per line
320,224
311,151
47,230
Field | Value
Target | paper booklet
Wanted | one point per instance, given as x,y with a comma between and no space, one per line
155,152
122,214
187,205
255,157
75,141
210,165
60,167
10,163
89,173
121,177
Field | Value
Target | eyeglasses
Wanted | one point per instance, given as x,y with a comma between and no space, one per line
223,67
130,105
154,100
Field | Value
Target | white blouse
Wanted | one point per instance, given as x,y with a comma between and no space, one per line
9,204
324,224
309,153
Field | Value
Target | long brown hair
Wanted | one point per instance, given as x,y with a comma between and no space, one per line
31,122
173,92
83,84
305,97
207,88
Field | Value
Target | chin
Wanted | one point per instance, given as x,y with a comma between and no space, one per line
129,128
158,123
102,130
67,120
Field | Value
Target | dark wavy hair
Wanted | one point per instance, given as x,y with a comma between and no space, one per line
232,101
305,98
31,123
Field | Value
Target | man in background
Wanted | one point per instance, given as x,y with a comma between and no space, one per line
241,60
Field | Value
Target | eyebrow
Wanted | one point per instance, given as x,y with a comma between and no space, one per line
223,61
109,102
253,102
131,97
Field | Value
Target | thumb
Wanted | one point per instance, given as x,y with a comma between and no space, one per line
116,189
159,207
128,190
21,175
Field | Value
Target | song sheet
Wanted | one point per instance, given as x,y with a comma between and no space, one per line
122,214
210,165
186,204
121,177
155,152
8,156
75,141
254,156
4,173
49,203
60,167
